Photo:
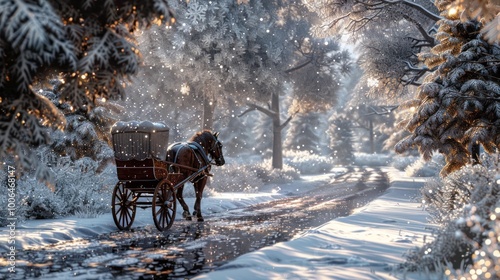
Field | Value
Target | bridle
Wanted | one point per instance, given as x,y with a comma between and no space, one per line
216,147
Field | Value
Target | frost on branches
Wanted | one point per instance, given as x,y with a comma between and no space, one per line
88,43
466,207
458,106
488,11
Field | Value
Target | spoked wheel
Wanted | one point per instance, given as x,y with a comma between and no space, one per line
123,206
164,205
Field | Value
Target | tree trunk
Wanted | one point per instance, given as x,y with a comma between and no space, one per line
208,113
274,114
277,128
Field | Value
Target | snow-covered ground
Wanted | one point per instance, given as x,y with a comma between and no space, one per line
369,244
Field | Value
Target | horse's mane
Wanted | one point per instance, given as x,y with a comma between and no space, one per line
201,136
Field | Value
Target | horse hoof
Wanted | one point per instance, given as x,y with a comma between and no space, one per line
186,215
189,218
201,219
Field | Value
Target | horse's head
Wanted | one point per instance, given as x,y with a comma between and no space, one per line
216,150
211,144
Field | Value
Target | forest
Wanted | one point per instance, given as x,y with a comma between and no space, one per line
323,81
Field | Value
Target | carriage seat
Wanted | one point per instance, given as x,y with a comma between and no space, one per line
149,169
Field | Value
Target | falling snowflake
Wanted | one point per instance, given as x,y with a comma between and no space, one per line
196,12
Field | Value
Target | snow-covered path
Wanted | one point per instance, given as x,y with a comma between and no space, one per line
369,244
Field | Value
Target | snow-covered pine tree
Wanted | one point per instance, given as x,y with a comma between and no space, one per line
262,129
303,133
86,133
88,42
341,139
458,106
395,133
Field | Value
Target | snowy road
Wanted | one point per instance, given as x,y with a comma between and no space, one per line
192,248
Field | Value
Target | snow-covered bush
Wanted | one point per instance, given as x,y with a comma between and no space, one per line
267,174
39,201
85,192
78,190
465,205
422,168
236,177
33,200
402,162
485,246
364,159
308,163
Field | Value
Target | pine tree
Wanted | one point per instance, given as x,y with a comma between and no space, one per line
88,42
262,129
303,134
86,133
341,139
458,106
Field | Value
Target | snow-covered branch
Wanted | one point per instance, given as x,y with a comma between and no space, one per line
417,7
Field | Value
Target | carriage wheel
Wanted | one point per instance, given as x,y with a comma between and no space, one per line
123,206
164,205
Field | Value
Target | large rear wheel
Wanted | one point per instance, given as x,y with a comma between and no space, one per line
123,206
164,205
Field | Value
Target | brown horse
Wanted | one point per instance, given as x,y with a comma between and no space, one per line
198,153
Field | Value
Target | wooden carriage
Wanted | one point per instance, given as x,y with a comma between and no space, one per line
144,181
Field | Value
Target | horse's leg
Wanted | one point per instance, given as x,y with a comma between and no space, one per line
198,188
184,205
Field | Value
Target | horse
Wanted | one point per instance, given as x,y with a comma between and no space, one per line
188,158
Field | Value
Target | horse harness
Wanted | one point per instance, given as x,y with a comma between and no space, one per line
199,154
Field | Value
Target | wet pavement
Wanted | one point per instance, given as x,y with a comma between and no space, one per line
191,248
